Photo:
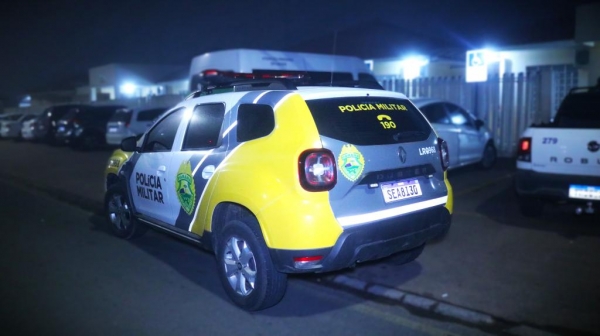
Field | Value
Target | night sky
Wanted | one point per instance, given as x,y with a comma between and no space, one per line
52,44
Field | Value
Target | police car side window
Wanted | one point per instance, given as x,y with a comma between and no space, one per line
204,127
254,121
162,136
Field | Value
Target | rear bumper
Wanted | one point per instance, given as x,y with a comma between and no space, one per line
370,241
551,187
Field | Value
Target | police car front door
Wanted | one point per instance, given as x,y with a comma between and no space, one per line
148,183
151,179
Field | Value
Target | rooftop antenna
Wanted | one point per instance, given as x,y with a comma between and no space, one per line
333,52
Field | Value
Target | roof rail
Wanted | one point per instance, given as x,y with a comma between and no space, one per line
241,85
362,84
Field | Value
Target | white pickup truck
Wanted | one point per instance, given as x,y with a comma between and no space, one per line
560,162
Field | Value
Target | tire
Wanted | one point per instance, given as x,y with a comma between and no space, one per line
530,207
119,214
407,256
489,156
245,267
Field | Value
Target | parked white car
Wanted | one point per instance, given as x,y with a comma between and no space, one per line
469,141
129,122
27,129
10,126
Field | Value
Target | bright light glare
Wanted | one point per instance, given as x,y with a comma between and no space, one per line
187,114
128,88
411,67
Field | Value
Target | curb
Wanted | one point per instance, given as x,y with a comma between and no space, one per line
428,306
414,301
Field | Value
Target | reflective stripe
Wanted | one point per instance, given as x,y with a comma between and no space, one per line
229,129
202,161
389,213
281,101
260,96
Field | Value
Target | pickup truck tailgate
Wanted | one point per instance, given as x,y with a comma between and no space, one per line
576,151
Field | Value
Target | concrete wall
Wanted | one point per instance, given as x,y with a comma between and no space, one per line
519,60
594,65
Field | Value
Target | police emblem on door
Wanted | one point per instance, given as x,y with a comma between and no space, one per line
185,187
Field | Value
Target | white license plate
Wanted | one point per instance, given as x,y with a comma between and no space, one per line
401,190
584,192
112,129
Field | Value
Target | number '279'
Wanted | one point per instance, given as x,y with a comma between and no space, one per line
550,141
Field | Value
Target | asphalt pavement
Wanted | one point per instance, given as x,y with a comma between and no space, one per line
495,269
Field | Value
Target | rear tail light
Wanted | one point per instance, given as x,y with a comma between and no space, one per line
444,154
211,72
307,262
524,151
317,170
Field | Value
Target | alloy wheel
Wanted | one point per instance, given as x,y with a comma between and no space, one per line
240,266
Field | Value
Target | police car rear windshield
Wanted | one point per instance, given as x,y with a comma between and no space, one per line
369,120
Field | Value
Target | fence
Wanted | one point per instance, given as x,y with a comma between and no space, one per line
507,104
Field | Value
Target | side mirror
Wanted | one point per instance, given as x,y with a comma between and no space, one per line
478,123
129,144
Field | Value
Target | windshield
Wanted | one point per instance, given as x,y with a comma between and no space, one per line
580,110
122,115
13,117
369,120
149,115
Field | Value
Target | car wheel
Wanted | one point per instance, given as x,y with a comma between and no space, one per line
530,207
245,267
489,156
407,256
120,215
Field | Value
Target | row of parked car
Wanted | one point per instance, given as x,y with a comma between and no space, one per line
87,127
80,126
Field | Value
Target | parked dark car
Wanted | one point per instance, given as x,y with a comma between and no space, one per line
45,128
85,128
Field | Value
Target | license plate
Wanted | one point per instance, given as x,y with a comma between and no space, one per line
112,129
61,128
584,192
401,190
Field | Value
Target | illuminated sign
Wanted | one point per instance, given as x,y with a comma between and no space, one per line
477,70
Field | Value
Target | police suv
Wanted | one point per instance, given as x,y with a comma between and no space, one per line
560,161
278,178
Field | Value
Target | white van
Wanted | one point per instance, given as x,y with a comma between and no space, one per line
210,67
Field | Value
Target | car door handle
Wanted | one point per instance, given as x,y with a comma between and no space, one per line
162,169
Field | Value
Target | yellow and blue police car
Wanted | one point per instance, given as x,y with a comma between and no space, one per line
276,178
